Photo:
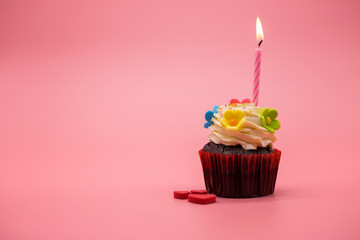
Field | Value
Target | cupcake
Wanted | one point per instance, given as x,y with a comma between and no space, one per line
240,160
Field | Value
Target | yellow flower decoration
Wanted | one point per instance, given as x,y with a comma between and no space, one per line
233,119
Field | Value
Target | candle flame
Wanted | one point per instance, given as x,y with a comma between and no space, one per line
259,31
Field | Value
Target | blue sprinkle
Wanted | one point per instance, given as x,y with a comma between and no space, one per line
216,108
209,115
207,124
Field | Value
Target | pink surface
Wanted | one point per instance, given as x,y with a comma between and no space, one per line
102,106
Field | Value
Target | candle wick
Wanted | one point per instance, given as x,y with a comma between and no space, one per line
260,43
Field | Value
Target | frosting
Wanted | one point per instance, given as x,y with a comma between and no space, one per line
242,123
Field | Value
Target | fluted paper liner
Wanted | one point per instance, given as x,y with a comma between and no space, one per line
240,175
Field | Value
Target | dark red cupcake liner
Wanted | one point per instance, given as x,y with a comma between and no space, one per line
240,175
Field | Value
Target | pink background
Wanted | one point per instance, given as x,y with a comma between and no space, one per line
102,107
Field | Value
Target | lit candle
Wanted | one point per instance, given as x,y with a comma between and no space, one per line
256,84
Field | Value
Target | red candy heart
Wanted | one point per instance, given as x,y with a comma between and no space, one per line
234,101
198,192
246,100
181,194
202,198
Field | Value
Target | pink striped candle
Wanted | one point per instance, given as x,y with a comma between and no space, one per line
256,84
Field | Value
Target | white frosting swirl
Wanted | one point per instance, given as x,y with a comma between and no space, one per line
250,136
